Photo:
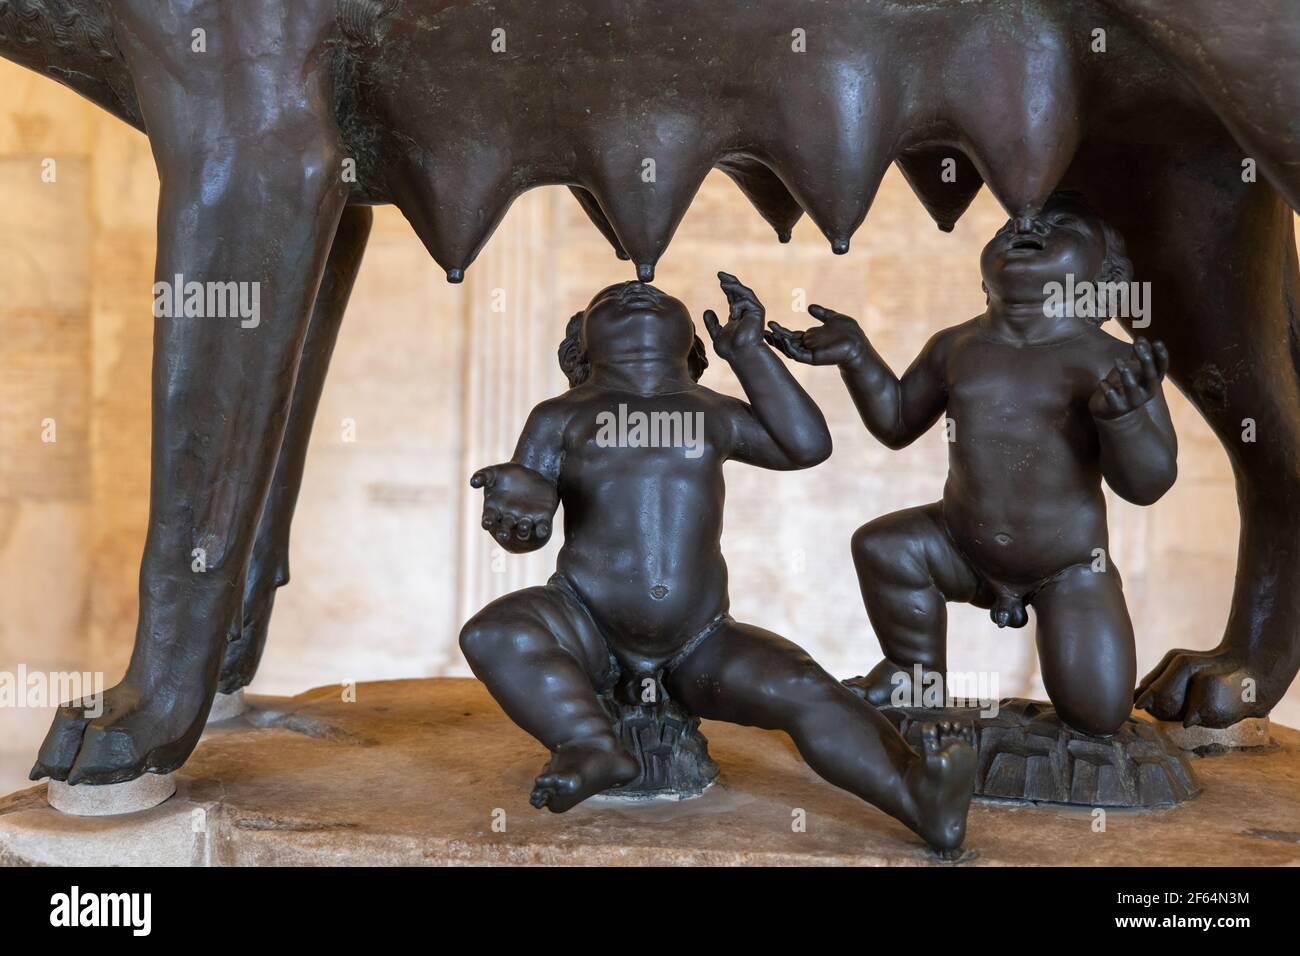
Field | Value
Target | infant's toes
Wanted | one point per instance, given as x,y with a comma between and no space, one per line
540,797
524,529
506,527
930,737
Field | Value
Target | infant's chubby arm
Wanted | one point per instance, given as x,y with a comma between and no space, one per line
520,497
896,411
781,427
1139,450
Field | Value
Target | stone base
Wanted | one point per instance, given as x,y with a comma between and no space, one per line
228,707
114,799
431,772
1244,735
1026,752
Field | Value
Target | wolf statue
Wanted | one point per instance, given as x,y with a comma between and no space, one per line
276,123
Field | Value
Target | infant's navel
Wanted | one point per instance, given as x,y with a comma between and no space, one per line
658,592
1002,538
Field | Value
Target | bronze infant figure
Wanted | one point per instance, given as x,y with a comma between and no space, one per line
640,590
1042,404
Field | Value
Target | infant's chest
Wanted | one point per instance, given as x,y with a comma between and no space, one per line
625,438
1000,386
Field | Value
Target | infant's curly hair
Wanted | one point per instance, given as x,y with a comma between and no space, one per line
1116,266
576,367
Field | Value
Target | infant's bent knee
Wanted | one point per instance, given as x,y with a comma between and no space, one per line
477,640
485,638
886,553
1095,716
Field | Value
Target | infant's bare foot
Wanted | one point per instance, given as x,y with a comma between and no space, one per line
893,685
942,783
580,770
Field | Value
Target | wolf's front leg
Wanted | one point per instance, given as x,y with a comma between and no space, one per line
249,162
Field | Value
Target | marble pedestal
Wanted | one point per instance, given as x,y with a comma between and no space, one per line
431,772
115,799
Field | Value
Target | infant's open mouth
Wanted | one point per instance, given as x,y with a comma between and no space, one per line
1028,242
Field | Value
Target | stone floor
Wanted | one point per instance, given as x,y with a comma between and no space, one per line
431,772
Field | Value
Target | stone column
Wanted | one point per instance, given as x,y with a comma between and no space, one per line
514,326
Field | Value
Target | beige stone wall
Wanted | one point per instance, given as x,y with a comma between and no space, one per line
387,559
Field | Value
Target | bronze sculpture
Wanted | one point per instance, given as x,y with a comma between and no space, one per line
638,604
1041,405
1180,131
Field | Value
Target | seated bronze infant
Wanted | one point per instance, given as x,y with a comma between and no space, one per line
640,591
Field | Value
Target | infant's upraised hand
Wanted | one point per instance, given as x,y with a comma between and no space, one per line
744,327
518,505
839,340
1132,383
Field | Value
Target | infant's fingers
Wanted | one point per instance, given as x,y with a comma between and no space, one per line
780,329
797,351
728,281
1132,390
1116,381
781,344
712,324
1162,358
483,478
505,527
1147,361
732,289
742,300
1114,400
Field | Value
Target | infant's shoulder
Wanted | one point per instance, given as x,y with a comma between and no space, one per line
708,397
1106,348
557,411
949,341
